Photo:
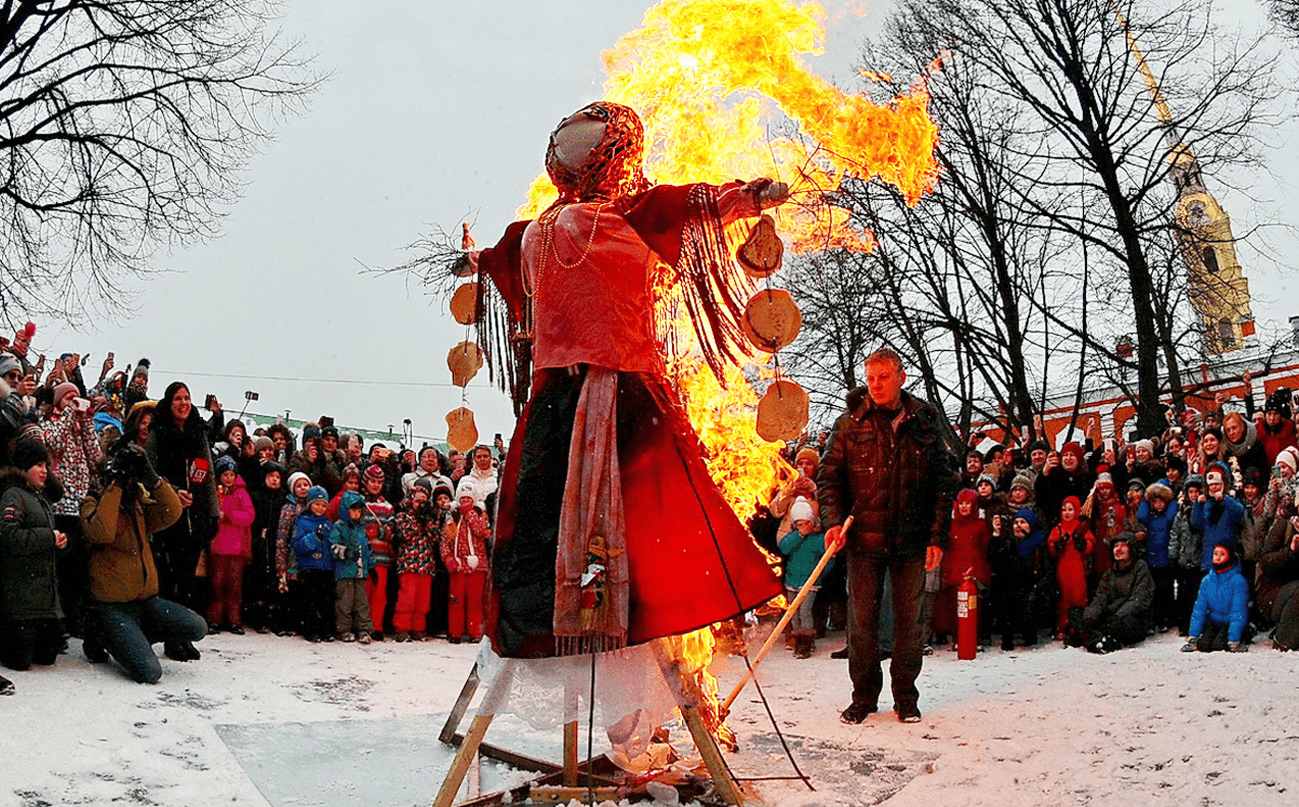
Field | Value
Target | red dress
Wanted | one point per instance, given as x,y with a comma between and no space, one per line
684,560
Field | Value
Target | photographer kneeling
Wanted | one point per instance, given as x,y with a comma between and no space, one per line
125,614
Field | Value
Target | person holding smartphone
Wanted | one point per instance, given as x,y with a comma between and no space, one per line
179,450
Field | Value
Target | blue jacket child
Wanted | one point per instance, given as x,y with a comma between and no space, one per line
804,552
1223,600
353,557
311,536
1221,520
1159,525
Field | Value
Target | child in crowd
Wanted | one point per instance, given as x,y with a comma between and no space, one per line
419,530
1219,516
353,563
803,546
1016,564
29,599
1071,543
378,521
230,549
1155,518
1185,547
286,560
464,550
1221,607
967,553
263,606
315,567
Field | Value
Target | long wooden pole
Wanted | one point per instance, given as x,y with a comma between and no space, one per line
725,708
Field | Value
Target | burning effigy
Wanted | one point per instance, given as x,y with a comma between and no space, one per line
615,312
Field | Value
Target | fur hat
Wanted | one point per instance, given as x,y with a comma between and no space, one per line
1158,490
309,431
800,510
1124,537
225,463
28,451
1175,463
329,431
1039,445
1212,431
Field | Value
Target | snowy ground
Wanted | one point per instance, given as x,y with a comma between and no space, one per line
262,720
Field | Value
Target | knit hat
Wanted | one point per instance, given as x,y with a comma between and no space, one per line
1276,401
329,431
1038,445
425,483
800,510
225,463
1213,431
1104,478
1215,474
985,478
1195,481
272,467
28,451
466,488
1073,448
295,476
374,472
141,368
65,388
443,487
263,443
807,452
316,492
1024,481
1124,537
1289,458
9,363
1148,445
1136,484
351,472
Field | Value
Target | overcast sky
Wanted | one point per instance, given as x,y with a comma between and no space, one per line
435,111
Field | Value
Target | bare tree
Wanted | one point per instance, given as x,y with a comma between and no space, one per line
1285,12
123,127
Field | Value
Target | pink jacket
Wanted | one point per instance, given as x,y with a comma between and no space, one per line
233,536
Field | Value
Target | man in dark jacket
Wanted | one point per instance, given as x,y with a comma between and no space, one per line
887,465
1119,613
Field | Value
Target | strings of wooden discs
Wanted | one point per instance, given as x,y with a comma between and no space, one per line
771,322
465,359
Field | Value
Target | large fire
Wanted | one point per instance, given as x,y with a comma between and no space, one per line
723,91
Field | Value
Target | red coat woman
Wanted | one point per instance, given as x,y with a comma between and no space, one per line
1070,544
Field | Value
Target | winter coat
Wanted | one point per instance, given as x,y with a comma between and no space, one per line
183,456
1185,543
1159,529
894,476
14,412
1071,544
1015,561
234,534
28,588
121,559
379,522
286,561
1277,566
74,454
419,532
1054,486
803,552
466,538
1249,452
311,543
967,549
1223,600
1221,531
1275,441
353,559
1123,592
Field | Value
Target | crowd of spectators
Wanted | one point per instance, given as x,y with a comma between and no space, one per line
1195,529
130,520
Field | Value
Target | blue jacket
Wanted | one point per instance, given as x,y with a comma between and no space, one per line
353,558
1226,532
803,553
1223,600
311,543
1159,527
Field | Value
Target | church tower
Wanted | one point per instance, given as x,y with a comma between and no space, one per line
1218,290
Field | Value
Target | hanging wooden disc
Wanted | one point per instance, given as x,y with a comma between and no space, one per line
464,361
464,303
761,252
771,320
462,434
782,412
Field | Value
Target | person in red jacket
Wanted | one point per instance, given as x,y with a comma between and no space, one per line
967,553
464,550
230,549
1070,544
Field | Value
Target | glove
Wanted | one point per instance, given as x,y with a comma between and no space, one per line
1237,647
339,550
1061,543
1189,647
133,463
1079,543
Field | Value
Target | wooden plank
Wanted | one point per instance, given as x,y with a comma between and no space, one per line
464,758
462,705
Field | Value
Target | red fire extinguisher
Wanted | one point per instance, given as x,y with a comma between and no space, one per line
967,618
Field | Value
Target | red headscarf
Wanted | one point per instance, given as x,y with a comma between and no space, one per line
1077,505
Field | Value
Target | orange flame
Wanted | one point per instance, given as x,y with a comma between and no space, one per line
711,78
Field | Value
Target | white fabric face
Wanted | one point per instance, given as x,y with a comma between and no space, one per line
576,138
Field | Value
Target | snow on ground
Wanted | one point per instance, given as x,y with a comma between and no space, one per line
262,720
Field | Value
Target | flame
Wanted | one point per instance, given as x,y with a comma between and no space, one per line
716,80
